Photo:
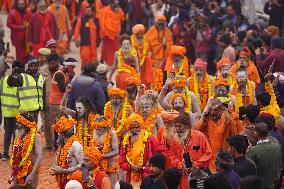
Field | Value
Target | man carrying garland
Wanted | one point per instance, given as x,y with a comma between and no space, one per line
177,62
26,153
217,126
117,110
141,44
200,83
243,89
223,71
178,86
150,111
137,148
69,156
106,141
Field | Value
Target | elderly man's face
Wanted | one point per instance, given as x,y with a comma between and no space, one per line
215,110
242,77
88,163
178,89
80,108
244,60
126,45
199,72
221,91
180,129
134,129
139,35
177,58
179,104
225,70
116,100
146,107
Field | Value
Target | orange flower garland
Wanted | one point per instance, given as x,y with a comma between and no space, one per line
179,83
87,131
63,124
25,122
158,80
204,88
186,104
127,148
20,161
117,92
62,154
151,118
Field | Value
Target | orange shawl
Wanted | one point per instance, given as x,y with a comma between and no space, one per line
61,22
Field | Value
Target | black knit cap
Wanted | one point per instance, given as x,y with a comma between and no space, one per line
158,160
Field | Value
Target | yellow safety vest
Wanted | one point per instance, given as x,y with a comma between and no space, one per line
28,94
9,99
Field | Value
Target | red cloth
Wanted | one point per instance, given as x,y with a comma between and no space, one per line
199,150
19,34
43,27
55,93
109,47
153,146
77,175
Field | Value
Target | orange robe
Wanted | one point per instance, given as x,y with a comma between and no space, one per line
155,38
88,53
199,150
217,134
6,5
110,27
144,61
84,5
63,24
71,11
252,71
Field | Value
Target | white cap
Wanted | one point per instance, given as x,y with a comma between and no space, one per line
73,184
101,68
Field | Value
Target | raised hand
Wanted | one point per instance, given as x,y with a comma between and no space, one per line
269,72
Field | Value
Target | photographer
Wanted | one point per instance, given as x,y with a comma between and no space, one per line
217,125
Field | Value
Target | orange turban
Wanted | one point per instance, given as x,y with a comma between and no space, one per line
223,62
169,116
64,124
222,82
117,92
245,52
161,18
134,118
273,30
175,50
132,80
138,28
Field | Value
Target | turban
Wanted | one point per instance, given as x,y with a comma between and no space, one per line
169,116
222,82
64,124
245,52
223,62
117,92
44,51
132,80
158,160
51,44
102,122
134,118
161,18
101,69
200,63
94,154
273,30
70,62
175,50
138,28
73,184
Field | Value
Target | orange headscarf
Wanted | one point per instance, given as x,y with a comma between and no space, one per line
223,62
245,52
160,18
175,50
138,28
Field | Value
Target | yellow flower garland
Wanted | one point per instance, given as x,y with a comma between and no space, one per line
126,147
150,120
144,48
22,147
181,69
187,94
120,57
158,80
61,159
239,96
123,113
206,85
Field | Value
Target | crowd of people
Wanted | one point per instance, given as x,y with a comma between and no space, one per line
186,94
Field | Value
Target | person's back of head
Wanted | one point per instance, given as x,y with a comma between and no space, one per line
250,182
217,181
89,69
266,118
172,178
73,184
277,42
239,143
263,99
252,111
224,160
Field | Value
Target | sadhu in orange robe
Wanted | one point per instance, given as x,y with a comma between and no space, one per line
85,32
143,55
6,5
110,26
98,5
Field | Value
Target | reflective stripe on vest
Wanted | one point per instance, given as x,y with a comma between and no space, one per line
28,94
9,99
40,82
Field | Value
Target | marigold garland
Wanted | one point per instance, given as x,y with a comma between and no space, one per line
62,154
176,95
239,96
85,134
64,124
187,94
179,83
142,49
205,88
123,67
117,92
105,123
127,148
21,162
25,122
151,118
158,80
122,115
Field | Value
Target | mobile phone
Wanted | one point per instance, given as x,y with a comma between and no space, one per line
242,113
85,174
187,160
8,46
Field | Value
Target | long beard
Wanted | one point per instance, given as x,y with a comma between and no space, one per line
99,139
183,137
169,134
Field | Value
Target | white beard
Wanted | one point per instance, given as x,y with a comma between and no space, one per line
99,139
182,138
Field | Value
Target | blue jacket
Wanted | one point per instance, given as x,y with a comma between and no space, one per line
86,86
